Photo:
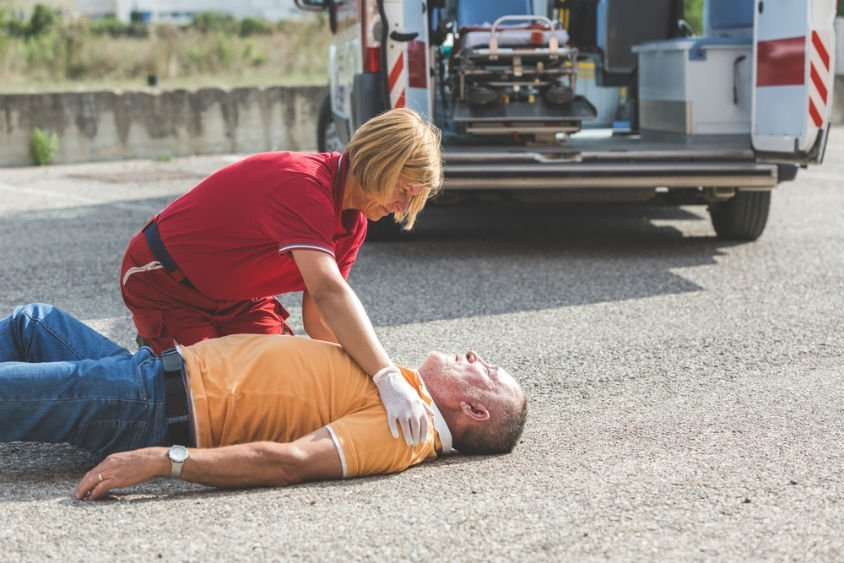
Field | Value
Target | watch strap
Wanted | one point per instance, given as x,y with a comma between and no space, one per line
175,463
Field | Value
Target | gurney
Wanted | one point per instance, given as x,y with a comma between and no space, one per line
516,77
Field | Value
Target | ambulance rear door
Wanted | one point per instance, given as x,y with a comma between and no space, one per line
793,46
407,55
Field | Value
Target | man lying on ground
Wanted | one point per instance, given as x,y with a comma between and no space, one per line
240,411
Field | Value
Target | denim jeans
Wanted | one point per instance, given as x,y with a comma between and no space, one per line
61,381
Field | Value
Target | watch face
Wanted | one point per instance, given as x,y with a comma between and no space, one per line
178,453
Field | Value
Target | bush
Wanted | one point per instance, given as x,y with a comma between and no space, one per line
252,56
215,21
255,26
46,52
115,28
693,14
44,19
12,25
43,145
110,26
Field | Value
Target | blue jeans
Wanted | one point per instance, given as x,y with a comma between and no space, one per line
61,381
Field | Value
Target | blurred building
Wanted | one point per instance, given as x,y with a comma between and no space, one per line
183,11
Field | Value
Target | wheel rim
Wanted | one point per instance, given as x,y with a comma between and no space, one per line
332,139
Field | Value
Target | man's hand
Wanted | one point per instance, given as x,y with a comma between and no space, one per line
403,404
121,470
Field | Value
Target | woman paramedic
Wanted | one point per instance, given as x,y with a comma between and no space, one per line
211,262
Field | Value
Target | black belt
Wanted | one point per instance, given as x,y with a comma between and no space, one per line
160,252
176,409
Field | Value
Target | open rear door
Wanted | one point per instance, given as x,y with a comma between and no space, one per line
407,55
793,46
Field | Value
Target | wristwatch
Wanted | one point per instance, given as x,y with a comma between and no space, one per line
178,455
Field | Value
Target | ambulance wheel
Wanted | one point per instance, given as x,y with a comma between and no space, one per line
327,138
385,230
741,217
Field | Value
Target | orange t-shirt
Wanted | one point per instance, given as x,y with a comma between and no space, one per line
253,387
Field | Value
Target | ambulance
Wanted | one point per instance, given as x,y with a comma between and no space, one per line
594,100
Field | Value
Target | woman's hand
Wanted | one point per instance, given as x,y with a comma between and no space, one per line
403,404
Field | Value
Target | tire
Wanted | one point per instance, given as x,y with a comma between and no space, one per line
743,217
327,138
385,230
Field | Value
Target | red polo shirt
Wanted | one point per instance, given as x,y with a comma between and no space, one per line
232,234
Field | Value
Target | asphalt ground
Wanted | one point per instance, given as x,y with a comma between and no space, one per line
686,394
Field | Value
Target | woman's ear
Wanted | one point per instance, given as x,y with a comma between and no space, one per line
477,411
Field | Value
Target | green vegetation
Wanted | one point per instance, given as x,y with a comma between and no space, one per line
49,51
43,145
693,14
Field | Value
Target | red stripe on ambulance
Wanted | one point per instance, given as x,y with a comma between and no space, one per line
397,96
781,62
820,49
813,113
417,73
820,77
395,72
818,83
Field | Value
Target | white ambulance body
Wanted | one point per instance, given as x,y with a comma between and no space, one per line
595,100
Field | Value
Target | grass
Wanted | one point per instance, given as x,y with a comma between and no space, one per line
43,145
72,58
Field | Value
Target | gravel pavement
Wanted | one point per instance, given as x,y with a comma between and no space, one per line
686,394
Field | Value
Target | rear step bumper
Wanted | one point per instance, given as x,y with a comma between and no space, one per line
567,167
610,175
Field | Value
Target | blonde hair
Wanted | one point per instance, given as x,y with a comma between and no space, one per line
398,144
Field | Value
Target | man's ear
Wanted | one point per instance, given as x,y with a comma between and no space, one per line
477,411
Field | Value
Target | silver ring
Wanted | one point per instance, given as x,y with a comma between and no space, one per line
100,477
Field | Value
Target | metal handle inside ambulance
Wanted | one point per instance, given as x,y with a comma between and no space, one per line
553,43
736,78
385,33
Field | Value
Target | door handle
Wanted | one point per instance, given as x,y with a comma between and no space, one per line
403,37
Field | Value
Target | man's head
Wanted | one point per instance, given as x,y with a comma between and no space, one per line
484,407
396,158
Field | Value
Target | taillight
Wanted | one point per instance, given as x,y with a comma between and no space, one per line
371,36
372,59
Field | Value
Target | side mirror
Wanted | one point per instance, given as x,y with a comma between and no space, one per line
312,5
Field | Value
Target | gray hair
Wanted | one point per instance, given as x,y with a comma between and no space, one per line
501,436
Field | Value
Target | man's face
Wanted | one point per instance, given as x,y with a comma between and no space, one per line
468,376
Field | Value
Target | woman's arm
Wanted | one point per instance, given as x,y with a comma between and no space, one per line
345,316
314,325
341,309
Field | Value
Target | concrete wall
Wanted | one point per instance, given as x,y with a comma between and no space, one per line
113,125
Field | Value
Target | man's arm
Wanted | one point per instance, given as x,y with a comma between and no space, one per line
312,319
257,464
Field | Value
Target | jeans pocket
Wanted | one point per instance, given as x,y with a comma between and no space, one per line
105,437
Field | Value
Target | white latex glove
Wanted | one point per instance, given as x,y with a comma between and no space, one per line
403,404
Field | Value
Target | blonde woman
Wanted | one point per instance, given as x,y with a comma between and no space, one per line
211,263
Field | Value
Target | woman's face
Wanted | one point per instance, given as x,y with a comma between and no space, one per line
376,206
